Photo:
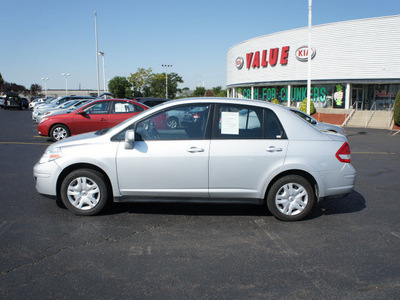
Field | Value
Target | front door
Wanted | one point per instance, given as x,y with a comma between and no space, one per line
93,118
357,98
167,161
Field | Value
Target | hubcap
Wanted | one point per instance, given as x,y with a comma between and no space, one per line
291,199
172,123
59,133
83,193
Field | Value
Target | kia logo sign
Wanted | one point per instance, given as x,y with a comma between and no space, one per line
302,53
239,63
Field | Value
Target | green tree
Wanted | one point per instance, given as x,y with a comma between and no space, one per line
303,107
209,93
219,92
120,87
35,89
276,101
141,81
1,79
157,85
396,110
199,91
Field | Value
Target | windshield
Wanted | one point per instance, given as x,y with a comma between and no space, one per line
102,131
68,104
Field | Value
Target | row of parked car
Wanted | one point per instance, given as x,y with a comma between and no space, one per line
62,117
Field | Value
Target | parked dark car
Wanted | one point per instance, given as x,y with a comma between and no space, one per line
150,102
12,100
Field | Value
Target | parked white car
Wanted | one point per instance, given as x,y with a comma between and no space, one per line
318,124
229,150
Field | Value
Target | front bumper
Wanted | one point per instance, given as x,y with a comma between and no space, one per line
46,176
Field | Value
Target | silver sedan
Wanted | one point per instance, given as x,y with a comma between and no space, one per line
229,150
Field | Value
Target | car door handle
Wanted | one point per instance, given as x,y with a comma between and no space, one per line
103,120
274,149
195,149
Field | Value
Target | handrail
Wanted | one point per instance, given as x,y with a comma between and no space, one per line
370,114
391,117
348,117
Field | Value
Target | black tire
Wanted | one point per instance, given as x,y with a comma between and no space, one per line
85,192
172,123
290,198
59,132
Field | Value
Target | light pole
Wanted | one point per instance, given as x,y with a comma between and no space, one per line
309,57
66,81
101,53
97,53
166,79
45,85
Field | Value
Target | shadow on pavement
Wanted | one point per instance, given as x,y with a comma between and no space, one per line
352,203
193,209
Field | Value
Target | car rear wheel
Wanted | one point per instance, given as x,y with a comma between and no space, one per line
84,192
59,132
172,122
290,198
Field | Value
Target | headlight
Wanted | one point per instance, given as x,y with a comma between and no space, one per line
50,155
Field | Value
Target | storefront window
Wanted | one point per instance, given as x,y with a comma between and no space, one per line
328,95
383,95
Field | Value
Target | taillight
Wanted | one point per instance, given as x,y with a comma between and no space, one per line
344,153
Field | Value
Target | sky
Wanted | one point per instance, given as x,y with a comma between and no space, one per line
45,38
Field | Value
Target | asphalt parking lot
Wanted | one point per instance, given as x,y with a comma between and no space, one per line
347,249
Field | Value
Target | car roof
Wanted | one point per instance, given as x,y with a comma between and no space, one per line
296,128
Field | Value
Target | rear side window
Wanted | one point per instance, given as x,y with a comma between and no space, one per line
240,122
273,128
247,122
125,107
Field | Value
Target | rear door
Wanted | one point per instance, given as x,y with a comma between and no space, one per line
248,144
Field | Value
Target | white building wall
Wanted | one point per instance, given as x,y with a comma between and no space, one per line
352,50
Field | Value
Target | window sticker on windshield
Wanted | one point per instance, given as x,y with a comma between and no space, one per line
230,123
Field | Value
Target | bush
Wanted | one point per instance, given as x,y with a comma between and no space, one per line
303,107
396,110
275,101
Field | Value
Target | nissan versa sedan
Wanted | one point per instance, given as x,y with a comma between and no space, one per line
234,151
94,116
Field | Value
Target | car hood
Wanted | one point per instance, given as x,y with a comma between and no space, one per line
79,139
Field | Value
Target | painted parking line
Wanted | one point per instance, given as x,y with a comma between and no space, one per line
380,153
24,143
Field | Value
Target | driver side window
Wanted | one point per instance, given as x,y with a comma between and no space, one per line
180,123
98,108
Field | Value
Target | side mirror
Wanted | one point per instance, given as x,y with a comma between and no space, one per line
129,139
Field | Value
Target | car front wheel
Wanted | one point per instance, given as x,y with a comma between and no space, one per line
59,132
290,198
84,192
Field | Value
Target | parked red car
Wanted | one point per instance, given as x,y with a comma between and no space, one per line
96,115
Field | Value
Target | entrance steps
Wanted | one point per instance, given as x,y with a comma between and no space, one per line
374,119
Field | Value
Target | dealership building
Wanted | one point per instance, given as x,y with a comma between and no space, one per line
355,64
